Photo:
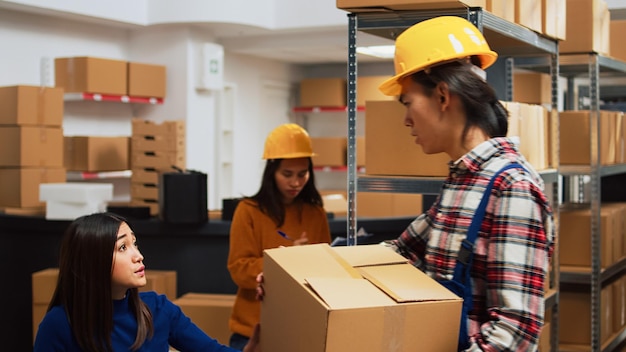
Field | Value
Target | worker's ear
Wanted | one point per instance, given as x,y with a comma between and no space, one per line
442,94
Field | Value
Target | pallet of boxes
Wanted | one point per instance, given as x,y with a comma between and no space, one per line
155,148
31,145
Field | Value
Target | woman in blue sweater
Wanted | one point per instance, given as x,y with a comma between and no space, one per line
97,307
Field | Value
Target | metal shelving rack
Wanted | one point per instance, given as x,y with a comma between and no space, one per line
593,65
509,40
590,65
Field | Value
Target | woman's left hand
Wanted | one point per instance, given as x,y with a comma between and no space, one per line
302,240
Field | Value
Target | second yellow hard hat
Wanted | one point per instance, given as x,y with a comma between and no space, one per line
288,141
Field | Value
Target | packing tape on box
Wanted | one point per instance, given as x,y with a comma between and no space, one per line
41,104
392,336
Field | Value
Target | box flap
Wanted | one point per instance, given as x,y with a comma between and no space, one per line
314,260
371,254
342,293
406,283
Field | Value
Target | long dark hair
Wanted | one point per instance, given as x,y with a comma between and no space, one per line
268,197
84,283
482,107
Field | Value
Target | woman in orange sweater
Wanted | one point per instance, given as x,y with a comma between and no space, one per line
286,211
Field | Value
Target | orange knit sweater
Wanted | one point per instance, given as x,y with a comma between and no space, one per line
251,232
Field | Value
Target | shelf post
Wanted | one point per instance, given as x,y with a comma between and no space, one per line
594,128
351,234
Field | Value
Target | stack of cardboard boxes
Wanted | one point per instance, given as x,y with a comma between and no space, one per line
86,74
31,144
155,148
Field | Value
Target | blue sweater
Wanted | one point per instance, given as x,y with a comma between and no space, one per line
171,328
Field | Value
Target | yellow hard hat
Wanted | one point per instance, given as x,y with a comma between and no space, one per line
288,141
436,41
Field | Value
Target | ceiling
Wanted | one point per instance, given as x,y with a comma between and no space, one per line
304,46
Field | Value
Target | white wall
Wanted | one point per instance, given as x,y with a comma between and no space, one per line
27,38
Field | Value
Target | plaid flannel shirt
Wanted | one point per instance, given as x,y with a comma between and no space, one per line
511,253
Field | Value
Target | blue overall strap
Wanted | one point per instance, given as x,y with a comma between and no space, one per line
466,252
461,281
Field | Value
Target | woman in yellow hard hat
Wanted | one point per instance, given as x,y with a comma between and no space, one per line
450,108
286,211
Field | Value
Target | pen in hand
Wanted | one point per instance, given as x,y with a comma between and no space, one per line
284,235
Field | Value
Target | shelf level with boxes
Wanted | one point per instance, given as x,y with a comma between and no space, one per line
508,39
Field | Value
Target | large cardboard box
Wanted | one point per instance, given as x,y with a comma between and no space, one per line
528,14
360,151
44,283
162,282
533,134
575,318
31,106
502,8
367,89
617,246
619,304
575,233
383,204
587,27
616,38
329,151
95,153
323,92
365,5
390,148
210,312
92,75
146,80
356,298
19,187
575,137
554,16
31,146
532,88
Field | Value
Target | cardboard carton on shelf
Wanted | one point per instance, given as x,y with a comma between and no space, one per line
146,80
96,153
575,137
91,74
587,27
329,151
528,13
353,299
390,148
323,92
504,9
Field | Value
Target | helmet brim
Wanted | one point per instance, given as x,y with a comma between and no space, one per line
393,85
